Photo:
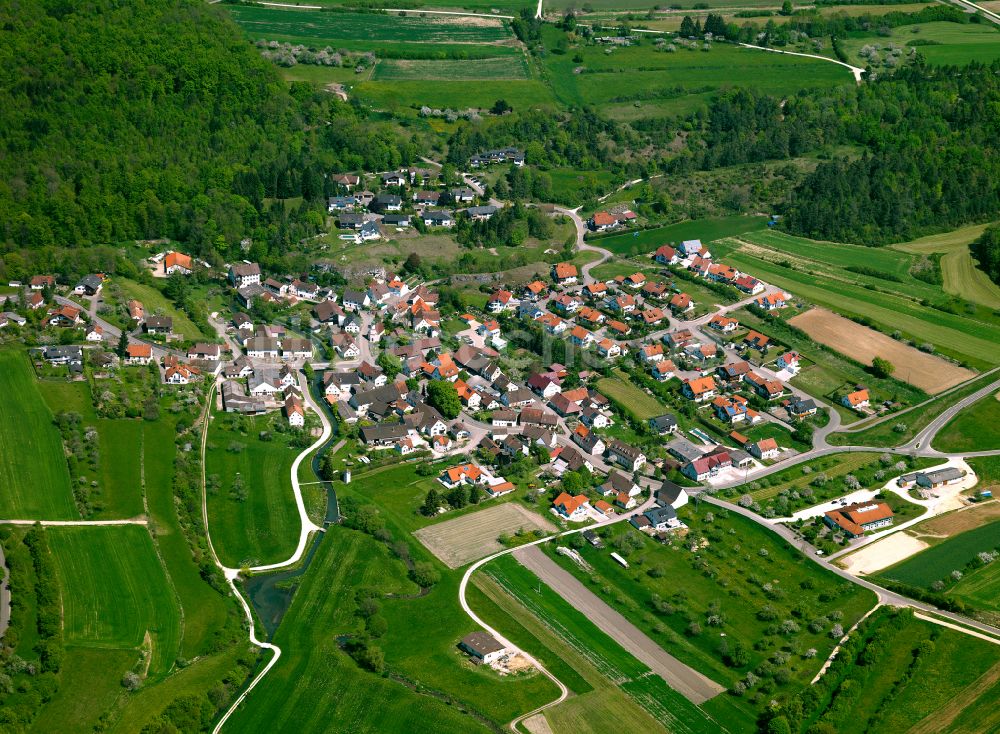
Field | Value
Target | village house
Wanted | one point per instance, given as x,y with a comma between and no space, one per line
723,323
89,285
788,361
63,355
756,340
857,519
764,449
730,409
572,508
856,400
564,273
663,370
94,333
294,412
699,389
158,325
534,290
244,274
482,647
140,354
41,282
764,387
665,255
176,262
437,218
627,456
749,284
663,425
772,301
500,301
706,466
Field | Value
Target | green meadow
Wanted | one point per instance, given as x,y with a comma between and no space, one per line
938,561
34,477
707,230
251,508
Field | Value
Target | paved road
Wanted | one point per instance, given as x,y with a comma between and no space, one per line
687,681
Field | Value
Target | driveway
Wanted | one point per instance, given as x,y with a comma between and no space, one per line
683,679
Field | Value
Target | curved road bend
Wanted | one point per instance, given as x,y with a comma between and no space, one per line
232,574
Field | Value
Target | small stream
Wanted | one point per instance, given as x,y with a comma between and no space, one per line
271,593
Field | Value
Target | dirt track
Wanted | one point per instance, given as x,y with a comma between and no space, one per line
931,374
686,681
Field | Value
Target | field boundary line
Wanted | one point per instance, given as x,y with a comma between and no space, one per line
75,523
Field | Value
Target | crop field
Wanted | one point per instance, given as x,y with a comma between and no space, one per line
348,30
471,537
115,592
667,706
976,428
926,371
980,587
635,399
251,511
706,230
98,672
940,560
771,256
504,67
403,97
33,472
639,81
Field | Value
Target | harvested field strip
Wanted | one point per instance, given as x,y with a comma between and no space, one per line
981,587
931,374
985,717
510,67
470,537
34,478
944,242
954,523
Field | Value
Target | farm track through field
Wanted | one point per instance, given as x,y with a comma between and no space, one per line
941,719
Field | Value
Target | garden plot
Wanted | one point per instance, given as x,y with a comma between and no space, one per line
931,374
474,536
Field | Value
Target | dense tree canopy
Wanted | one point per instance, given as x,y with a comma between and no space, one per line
155,118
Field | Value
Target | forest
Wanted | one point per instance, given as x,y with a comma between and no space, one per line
152,119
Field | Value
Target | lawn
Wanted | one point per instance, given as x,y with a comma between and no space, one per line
315,683
115,592
156,303
706,230
976,428
638,402
33,472
740,570
615,664
886,304
938,561
251,509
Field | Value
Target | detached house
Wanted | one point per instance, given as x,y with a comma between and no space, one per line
665,255
89,285
138,354
681,303
723,323
772,301
856,400
243,274
756,340
788,361
570,507
176,262
699,389
564,273
764,449
627,456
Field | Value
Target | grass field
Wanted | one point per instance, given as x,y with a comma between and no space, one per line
953,43
263,527
977,428
315,683
403,97
115,592
96,671
817,273
33,472
205,609
642,405
961,276
930,373
504,67
742,569
156,303
706,230
121,446
639,81
671,709
954,683
938,561
473,536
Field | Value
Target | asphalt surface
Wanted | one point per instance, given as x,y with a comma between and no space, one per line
685,680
